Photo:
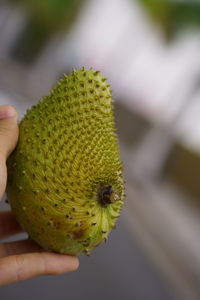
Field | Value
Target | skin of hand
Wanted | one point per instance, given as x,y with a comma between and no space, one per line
21,260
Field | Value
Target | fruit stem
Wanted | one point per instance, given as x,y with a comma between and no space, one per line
107,195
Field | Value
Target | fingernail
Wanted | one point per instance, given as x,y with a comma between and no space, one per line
4,114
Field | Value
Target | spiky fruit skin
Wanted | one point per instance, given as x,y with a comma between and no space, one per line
66,155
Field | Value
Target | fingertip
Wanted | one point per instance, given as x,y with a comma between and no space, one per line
9,131
77,263
8,111
74,264
61,264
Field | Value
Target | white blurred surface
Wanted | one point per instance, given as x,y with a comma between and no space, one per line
152,77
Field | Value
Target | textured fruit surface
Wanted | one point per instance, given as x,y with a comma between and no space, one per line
65,180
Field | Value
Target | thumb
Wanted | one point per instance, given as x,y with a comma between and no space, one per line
8,131
8,139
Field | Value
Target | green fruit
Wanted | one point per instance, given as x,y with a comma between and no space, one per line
65,181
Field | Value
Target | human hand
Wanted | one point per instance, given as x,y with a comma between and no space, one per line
21,260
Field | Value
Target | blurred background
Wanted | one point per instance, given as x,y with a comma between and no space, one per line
149,50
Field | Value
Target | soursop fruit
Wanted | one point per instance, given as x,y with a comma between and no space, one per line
65,182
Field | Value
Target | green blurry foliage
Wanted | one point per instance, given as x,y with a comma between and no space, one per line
45,18
174,15
53,14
